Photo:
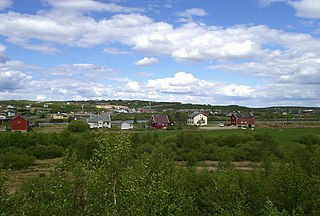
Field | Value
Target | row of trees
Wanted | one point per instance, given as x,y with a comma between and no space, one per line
115,181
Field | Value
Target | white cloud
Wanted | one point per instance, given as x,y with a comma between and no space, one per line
264,3
188,42
114,51
12,80
147,61
306,8
188,14
133,86
89,5
5,4
183,83
3,55
182,86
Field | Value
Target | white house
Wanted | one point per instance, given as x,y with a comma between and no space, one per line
126,126
99,121
197,119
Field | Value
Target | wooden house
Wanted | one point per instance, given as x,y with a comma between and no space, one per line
99,121
126,125
197,119
20,123
242,119
159,121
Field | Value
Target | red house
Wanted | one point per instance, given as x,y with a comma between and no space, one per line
159,121
242,119
19,123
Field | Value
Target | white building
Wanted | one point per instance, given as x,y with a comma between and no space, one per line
197,119
99,121
126,126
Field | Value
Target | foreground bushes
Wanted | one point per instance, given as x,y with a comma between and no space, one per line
113,181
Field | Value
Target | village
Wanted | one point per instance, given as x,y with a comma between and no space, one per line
142,115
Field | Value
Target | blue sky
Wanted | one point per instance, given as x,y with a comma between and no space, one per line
254,53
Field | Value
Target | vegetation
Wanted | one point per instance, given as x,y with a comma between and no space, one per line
138,173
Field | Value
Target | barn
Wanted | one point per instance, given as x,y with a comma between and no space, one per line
20,124
159,121
242,119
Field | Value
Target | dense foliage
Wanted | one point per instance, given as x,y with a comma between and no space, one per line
19,150
137,174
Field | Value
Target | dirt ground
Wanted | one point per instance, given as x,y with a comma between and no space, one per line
38,169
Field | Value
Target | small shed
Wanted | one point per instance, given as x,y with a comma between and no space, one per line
20,124
126,126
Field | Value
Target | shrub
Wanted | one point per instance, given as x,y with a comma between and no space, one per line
78,126
46,152
12,160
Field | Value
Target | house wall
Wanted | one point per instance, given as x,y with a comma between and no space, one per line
19,124
195,120
126,126
101,125
107,125
190,121
93,125
242,121
245,121
200,120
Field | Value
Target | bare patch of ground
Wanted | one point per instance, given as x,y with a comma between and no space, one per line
215,165
218,128
38,169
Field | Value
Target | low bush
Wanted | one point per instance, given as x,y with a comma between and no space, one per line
12,160
45,152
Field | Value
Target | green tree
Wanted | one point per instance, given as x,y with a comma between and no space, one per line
78,126
109,161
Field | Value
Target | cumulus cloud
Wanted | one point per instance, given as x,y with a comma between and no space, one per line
146,61
12,80
133,86
188,42
5,4
182,86
306,8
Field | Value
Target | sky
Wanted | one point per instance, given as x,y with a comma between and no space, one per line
255,53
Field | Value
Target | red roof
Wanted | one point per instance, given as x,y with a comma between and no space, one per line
160,119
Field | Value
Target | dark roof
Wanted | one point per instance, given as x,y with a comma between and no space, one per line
97,118
194,114
243,115
161,119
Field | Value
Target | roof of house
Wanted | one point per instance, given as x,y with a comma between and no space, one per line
97,118
160,118
243,115
19,115
192,115
125,123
